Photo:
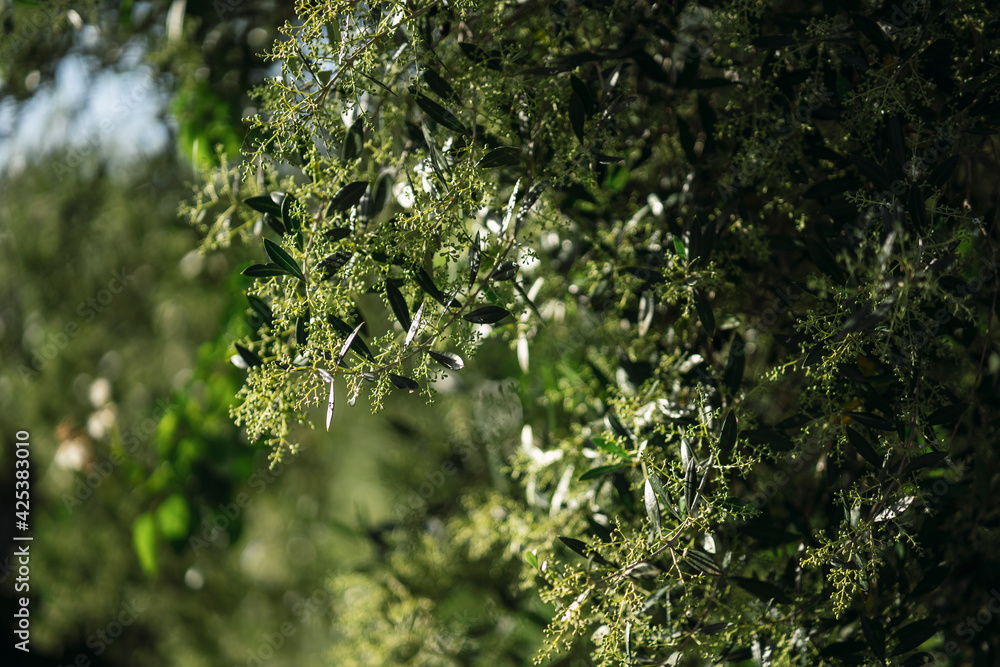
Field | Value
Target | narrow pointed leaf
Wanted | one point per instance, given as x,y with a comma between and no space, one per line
249,357
354,141
347,196
577,115
440,115
487,315
652,507
347,343
290,214
947,415
398,304
862,446
601,471
343,327
261,309
414,326
704,309
475,255
264,204
333,263
500,157
505,271
585,551
440,87
662,493
925,461
735,363
762,590
727,440
510,209
381,192
264,270
401,382
329,405
301,332
282,258
529,200
448,360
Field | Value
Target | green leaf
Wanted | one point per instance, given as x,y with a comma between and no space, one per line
333,263
727,441
249,357
601,471
264,204
381,192
414,326
585,551
144,542
662,493
290,214
347,343
264,270
532,560
702,561
173,517
925,461
262,310
354,141
448,360
505,271
398,304
282,258
487,315
679,247
401,382
475,255
610,446
863,447
947,415
583,92
440,115
301,333
762,590
577,115
735,363
347,196
329,404
343,327
870,420
652,508
704,309
426,283
500,157
875,635
440,87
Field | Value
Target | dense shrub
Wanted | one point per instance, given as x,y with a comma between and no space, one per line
742,255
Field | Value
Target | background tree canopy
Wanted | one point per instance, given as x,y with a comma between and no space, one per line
702,295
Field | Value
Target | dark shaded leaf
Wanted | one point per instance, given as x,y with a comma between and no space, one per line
870,420
577,115
249,357
647,275
704,309
714,628
264,270
347,196
337,233
762,590
913,635
264,204
601,471
925,461
863,447
398,304
870,29
948,414
583,92
872,172
401,382
343,327
500,157
282,258
333,263
686,139
414,326
475,255
487,315
585,551
381,192
875,635
347,343
291,216
530,197
274,223
448,360
354,141
691,486
942,172
301,332
727,441
842,649
505,271
440,115
735,363
440,87
426,283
